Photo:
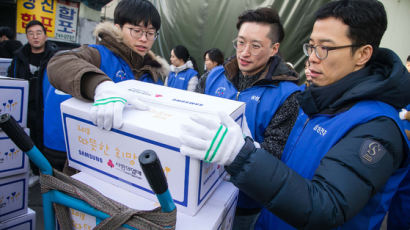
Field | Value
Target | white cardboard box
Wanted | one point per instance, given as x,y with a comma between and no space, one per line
113,155
4,65
13,196
12,159
217,213
23,222
14,98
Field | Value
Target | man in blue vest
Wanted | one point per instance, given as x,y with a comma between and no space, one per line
259,77
347,152
91,71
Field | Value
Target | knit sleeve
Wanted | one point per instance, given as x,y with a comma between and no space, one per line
278,130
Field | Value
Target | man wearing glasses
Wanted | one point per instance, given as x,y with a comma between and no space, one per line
122,53
347,152
259,77
30,63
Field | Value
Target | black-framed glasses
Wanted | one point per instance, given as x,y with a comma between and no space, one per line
321,52
137,33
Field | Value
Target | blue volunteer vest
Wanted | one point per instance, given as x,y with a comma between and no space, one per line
261,101
180,80
309,142
112,65
53,127
117,69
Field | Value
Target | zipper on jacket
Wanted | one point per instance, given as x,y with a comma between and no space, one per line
237,95
300,134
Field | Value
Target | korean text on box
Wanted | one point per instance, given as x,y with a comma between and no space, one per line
113,155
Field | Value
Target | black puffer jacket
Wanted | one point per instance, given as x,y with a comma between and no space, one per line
342,184
20,68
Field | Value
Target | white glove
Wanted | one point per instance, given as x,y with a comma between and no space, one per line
109,103
212,140
402,114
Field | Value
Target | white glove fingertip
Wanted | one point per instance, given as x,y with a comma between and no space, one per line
205,121
100,117
135,103
108,115
93,115
118,115
226,119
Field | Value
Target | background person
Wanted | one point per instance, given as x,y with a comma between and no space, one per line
213,58
8,42
184,71
347,152
30,63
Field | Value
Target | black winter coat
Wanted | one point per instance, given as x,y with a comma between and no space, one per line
20,68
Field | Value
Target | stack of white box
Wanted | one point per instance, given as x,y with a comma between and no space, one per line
112,156
13,162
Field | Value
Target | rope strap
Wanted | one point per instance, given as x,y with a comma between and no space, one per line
119,214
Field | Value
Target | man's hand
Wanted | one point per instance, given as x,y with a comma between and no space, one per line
212,140
109,103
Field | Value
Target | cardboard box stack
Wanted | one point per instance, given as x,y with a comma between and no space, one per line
112,156
13,162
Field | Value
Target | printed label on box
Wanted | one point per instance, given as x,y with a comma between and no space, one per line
101,152
12,159
13,197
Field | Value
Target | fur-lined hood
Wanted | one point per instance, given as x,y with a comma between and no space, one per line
109,35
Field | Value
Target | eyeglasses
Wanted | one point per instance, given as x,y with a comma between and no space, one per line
37,33
321,52
254,47
149,34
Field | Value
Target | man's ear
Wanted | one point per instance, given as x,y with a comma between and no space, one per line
118,26
275,49
363,54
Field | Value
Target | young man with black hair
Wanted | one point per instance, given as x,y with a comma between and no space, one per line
257,76
91,71
347,152
122,53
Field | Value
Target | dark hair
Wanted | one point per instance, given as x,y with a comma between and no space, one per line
408,58
135,12
7,31
267,16
182,52
366,19
34,23
215,55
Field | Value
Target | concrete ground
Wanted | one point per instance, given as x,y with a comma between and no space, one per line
35,203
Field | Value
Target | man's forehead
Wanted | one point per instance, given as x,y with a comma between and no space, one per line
329,30
142,24
35,28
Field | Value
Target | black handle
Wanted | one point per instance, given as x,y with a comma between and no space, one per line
152,168
16,133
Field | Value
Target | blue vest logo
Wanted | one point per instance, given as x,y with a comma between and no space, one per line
121,75
220,91
255,98
320,130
